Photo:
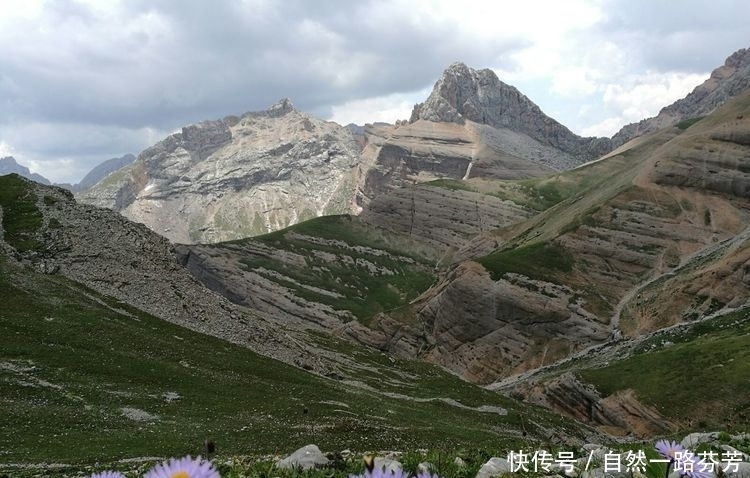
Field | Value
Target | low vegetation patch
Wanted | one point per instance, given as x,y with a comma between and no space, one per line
686,123
21,216
345,267
539,261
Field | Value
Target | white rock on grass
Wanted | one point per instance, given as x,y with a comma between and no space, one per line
138,415
600,472
494,467
743,469
694,439
388,465
735,452
306,458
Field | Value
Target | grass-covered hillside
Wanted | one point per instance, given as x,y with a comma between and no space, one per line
696,376
84,378
334,266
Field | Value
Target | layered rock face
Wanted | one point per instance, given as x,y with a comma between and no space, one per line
725,83
655,235
618,414
445,218
397,156
463,93
237,177
485,329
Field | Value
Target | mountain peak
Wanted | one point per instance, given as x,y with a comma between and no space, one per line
280,108
9,165
738,59
463,93
8,161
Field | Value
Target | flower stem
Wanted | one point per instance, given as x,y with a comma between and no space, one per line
669,465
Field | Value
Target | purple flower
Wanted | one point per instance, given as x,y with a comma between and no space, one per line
379,473
668,449
691,467
186,467
108,474
685,462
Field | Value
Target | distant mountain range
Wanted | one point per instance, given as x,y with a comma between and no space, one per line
259,172
9,165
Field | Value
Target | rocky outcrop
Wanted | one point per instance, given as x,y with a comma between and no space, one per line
725,83
619,414
118,258
237,177
483,329
463,93
406,154
8,165
442,215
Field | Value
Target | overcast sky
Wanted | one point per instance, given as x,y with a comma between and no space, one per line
84,81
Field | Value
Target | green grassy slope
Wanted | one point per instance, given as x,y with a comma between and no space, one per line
698,376
348,266
21,217
73,364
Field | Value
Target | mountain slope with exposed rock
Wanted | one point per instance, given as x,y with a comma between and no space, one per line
725,82
652,236
46,228
237,177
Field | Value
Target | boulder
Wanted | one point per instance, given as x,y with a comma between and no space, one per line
306,458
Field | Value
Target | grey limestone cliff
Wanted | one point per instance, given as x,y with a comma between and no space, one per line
237,176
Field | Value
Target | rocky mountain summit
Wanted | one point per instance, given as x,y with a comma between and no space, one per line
725,82
463,93
236,177
8,165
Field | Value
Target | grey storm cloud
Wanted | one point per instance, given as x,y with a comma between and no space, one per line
678,36
192,60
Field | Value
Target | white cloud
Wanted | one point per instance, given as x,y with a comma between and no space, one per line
637,97
387,109
6,150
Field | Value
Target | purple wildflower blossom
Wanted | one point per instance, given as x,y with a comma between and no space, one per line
690,466
186,467
108,474
379,473
685,462
668,449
